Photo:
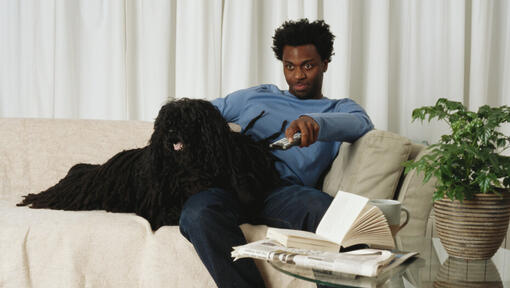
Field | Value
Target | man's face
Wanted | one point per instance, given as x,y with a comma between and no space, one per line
303,69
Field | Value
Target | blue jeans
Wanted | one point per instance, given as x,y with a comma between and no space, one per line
210,221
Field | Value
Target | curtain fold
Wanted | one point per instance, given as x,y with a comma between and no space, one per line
150,56
123,59
89,60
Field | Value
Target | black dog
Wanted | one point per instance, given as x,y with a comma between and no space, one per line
191,149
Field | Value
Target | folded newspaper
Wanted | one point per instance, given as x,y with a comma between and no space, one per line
362,262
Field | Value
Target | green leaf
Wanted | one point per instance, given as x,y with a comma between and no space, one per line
484,183
501,142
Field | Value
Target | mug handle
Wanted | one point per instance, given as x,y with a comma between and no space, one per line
407,218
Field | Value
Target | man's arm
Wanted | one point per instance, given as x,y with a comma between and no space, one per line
231,105
225,109
350,123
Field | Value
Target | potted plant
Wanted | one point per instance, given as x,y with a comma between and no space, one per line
472,196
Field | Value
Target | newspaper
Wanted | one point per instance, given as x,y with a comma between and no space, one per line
363,262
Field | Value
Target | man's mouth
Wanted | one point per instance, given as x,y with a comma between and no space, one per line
300,87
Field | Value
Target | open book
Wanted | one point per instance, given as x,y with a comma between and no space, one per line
349,220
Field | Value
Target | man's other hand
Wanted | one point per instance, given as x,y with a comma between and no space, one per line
307,126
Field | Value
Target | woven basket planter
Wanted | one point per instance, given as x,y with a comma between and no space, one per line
473,229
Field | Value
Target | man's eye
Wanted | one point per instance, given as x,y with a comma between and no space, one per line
289,67
308,66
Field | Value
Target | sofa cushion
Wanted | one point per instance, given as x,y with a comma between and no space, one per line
370,167
52,248
413,194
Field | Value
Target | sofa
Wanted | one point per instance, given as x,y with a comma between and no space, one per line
52,248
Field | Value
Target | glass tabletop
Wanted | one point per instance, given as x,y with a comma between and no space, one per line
432,268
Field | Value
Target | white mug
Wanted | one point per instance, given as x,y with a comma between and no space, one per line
392,210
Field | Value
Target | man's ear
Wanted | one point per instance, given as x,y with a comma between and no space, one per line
325,66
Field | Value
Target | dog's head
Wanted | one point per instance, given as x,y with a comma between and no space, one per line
192,132
192,142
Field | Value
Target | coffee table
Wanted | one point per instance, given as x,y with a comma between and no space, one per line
432,268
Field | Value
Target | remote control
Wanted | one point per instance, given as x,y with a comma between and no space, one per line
284,143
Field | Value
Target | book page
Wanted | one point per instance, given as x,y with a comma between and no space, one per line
301,239
283,235
370,228
340,216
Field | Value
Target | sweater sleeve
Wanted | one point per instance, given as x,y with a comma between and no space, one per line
231,106
347,123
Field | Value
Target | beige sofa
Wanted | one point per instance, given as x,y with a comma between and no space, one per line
49,248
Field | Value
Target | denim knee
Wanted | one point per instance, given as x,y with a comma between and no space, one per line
191,215
203,209
316,204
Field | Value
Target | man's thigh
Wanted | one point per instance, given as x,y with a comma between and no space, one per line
210,204
294,207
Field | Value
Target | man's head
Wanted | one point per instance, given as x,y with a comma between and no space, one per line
305,50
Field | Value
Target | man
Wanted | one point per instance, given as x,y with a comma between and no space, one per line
210,219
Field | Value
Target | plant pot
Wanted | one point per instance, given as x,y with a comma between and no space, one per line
473,229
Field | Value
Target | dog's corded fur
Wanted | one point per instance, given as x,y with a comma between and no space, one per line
191,149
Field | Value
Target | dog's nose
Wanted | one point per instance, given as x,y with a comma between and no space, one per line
178,146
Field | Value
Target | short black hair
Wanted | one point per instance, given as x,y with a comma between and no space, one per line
302,32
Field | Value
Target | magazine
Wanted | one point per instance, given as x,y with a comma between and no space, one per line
362,262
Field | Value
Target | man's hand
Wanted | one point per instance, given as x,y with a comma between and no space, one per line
307,126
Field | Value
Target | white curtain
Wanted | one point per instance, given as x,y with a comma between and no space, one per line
122,59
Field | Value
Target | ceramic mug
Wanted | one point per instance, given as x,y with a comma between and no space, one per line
392,210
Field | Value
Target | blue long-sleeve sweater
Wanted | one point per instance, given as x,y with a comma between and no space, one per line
339,120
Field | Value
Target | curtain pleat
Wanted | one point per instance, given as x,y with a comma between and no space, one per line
123,59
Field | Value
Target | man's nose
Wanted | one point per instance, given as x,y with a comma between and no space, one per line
299,74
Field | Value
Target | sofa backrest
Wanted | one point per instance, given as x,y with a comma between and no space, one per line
36,153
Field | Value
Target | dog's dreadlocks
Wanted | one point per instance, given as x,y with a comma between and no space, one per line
191,149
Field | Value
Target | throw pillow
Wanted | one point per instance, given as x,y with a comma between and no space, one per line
370,167
415,193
